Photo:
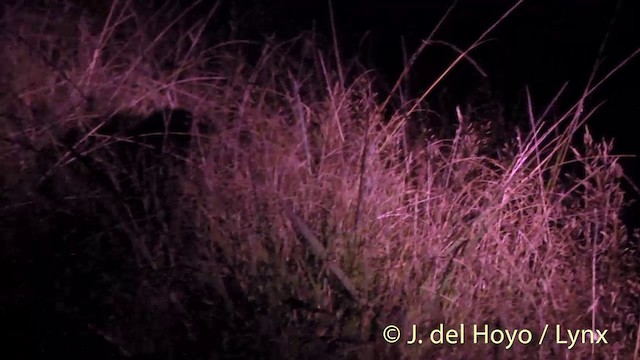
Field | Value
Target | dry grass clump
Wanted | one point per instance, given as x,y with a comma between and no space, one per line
303,220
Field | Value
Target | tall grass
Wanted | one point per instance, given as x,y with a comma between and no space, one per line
306,217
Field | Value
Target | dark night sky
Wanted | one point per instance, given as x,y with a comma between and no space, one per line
543,44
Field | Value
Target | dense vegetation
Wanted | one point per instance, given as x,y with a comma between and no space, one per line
286,208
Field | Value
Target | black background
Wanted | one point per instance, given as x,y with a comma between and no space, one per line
542,45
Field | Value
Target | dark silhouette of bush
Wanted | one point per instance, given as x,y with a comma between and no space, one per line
73,249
